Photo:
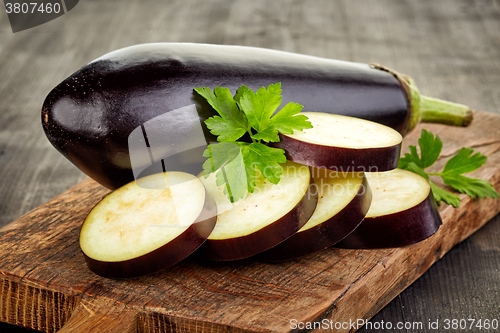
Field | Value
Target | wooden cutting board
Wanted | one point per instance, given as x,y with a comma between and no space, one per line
45,284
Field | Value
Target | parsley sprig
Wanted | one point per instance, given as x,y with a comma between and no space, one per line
452,174
253,113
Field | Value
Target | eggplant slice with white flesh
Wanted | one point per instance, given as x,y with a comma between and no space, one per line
343,201
261,220
342,143
403,212
143,228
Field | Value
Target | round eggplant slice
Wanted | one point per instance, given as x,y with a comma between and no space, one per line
343,144
403,212
141,229
343,201
263,219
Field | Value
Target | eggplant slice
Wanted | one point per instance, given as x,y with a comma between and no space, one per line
403,212
343,201
261,220
138,230
343,144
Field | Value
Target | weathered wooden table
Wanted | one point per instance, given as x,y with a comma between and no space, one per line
451,49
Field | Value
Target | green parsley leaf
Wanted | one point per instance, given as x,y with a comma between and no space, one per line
443,195
260,106
236,163
473,187
266,159
226,159
239,93
268,134
224,129
219,154
430,148
233,175
232,124
462,162
413,167
412,157
287,120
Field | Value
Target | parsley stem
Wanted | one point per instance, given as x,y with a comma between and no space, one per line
229,193
434,173
249,131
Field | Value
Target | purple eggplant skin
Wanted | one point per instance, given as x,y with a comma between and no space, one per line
340,158
395,230
89,116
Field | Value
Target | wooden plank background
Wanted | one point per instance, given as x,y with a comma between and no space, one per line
450,47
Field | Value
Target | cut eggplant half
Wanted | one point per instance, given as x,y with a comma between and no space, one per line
263,219
403,212
343,144
138,230
343,201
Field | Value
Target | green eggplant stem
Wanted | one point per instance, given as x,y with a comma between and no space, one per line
434,110
427,109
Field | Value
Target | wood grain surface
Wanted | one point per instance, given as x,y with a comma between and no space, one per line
450,47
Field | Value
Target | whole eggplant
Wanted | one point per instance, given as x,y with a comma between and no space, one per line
91,116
